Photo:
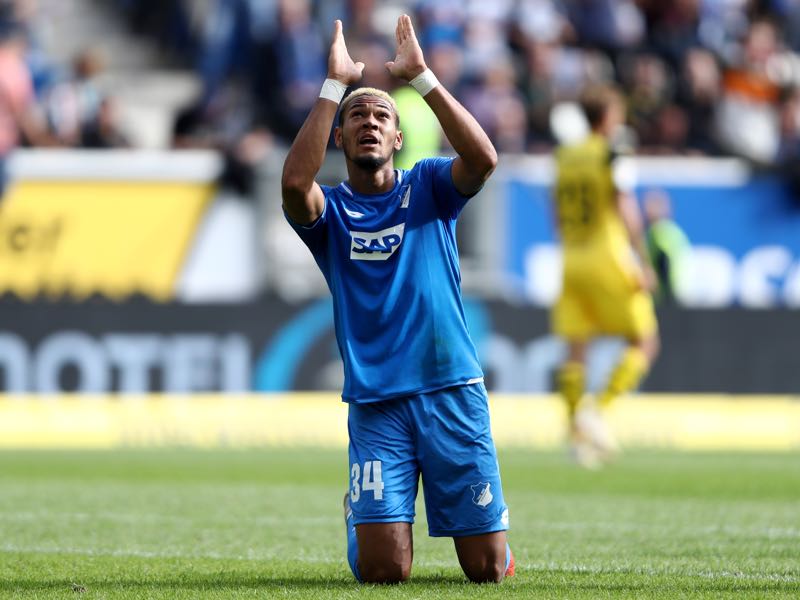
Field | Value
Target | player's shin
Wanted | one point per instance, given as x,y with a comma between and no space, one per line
571,384
626,376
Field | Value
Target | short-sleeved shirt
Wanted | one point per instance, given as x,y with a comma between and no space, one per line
586,199
16,94
600,292
391,263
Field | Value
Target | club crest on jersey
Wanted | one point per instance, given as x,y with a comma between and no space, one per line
482,494
378,245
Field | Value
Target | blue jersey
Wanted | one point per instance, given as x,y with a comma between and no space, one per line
391,264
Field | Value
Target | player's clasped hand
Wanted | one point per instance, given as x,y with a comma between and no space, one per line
341,67
409,61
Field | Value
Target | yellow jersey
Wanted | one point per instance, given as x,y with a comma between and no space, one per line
600,292
586,197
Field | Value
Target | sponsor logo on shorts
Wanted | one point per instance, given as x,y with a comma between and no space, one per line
378,245
504,518
482,494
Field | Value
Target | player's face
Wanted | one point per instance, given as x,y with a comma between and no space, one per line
369,134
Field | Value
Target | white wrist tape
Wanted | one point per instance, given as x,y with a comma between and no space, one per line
424,82
333,90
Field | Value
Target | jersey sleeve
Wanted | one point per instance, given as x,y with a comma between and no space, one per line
314,235
449,200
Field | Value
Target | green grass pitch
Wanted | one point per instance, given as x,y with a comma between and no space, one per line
268,524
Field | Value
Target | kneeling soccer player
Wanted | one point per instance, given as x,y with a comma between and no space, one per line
385,242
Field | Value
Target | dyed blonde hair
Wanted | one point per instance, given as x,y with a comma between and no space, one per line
367,91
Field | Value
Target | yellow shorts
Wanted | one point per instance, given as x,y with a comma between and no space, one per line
601,296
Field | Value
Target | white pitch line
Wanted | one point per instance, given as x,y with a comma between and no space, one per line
670,572
251,555
629,527
769,532
156,517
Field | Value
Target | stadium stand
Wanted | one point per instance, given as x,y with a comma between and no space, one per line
686,66
239,75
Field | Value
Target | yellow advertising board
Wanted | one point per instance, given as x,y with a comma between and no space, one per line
694,423
115,238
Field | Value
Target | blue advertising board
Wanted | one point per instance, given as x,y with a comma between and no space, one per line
744,231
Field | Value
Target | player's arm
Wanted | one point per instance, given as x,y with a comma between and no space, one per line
632,219
631,216
477,157
303,199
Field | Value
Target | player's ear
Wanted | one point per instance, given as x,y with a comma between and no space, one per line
337,136
398,141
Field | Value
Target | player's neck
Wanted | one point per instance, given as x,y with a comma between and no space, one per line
600,131
371,182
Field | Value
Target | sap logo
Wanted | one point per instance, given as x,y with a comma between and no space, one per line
482,494
379,245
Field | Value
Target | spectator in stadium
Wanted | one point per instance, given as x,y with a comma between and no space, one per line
722,24
672,28
441,21
612,25
417,404
649,90
237,134
224,43
747,116
789,145
699,91
73,104
362,19
788,158
788,13
667,245
20,118
499,107
540,21
375,54
103,131
300,63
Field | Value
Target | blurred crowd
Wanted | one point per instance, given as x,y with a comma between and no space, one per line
43,101
701,76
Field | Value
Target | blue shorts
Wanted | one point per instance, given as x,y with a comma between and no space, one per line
445,437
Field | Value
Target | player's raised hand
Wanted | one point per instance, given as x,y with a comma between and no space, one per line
409,61
340,66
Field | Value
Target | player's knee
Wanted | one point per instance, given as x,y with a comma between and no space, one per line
486,569
387,571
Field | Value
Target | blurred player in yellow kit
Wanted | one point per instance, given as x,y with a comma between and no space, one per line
607,279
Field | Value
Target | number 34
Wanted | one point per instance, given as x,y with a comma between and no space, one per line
373,480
